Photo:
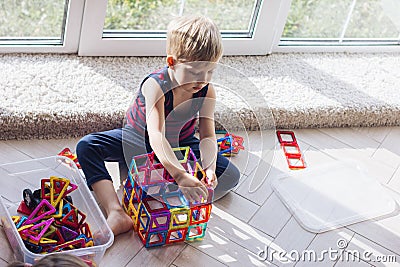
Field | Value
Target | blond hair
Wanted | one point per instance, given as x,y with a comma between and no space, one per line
194,38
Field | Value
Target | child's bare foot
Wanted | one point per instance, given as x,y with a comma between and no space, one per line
119,222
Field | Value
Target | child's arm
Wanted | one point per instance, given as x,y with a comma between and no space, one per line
208,140
191,187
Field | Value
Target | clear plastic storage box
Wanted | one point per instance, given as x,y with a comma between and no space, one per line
334,195
15,177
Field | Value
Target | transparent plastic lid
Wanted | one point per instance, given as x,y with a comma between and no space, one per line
333,195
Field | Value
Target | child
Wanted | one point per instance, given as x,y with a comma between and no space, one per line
163,116
54,260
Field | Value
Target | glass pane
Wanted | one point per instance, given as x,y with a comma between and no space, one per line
140,15
375,19
326,19
156,14
32,18
228,15
316,18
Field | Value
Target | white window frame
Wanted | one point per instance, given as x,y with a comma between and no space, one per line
261,42
340,44
69,41
83,34
306,46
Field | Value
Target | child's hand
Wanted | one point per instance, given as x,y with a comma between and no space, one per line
211,178
192,188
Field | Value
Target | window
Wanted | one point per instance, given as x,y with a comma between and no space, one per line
248,27
116,27
342,23
40,26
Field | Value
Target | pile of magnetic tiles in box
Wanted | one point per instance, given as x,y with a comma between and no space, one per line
50,221
160,212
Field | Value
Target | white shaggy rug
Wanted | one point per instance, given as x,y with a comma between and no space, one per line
56,96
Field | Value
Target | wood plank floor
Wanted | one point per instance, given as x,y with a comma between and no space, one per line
247,221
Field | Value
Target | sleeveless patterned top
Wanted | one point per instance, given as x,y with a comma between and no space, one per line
176,124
